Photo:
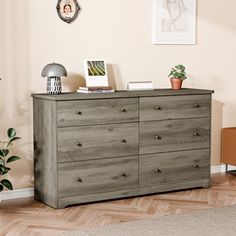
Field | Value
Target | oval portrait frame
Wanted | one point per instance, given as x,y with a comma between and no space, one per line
68,10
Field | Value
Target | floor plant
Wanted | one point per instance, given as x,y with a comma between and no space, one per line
6,158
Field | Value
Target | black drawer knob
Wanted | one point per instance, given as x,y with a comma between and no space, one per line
195,165
196,134
157,108
78,112
123,140
157,170
123,110
158,137
78,144
196,105
79,180
123,174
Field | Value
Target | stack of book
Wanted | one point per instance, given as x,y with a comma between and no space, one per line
95,89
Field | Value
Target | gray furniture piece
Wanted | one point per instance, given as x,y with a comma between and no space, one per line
92,147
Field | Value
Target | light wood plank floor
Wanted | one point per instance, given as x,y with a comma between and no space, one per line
28,217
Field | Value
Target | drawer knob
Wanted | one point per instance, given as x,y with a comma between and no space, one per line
157,108
123,174
78,144
157,170
123,110
196,134
79,180
158,137
196,105
195,165
78,112
123,140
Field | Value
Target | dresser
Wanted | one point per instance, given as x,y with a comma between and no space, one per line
93,147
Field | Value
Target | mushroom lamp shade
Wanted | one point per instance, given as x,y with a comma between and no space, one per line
53,72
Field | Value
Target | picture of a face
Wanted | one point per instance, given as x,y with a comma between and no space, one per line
67,9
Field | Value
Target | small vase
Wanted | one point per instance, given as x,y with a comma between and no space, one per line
176,83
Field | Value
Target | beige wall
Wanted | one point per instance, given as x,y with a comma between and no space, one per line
32,35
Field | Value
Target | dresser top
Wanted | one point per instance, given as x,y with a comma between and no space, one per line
122,94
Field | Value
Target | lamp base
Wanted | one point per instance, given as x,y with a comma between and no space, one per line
54,85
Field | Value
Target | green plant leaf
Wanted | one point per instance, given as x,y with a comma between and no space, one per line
1,153
1,188
14,139
4,152
11,132
6,183
4,169
1,161
13,158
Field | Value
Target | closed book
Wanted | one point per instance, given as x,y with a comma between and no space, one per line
95,91
140,85
94,88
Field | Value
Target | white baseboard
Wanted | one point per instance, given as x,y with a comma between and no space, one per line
221,168
217,169
17,193
29,192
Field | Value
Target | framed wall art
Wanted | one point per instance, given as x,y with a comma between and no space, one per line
68,10
174,22
95,72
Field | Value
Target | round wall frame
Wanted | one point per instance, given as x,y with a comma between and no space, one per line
68,10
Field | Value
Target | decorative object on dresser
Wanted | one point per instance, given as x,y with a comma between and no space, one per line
128,143
68,10
140,85
95,72
229,148
53,72
177,75
5,159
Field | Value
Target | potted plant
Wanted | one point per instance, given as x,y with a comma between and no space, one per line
5,158
177,75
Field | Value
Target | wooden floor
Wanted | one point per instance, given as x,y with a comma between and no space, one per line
28,217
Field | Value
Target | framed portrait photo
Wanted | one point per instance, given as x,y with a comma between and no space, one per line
174,22
68,10
95,72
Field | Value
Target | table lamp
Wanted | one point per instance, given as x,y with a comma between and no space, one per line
53,72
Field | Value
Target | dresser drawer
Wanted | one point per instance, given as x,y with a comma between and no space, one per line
97,176
100,111
174,135
174,107
97,141
164,168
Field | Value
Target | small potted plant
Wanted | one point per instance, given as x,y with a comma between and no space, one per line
177,75
5,159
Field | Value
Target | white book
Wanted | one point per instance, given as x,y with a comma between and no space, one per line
95,91
140,85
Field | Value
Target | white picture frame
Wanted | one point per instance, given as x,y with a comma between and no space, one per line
174,22
95,72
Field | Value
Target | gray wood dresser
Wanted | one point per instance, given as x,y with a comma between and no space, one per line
92,147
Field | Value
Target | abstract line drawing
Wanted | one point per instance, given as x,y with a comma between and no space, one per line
174,21
176,15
